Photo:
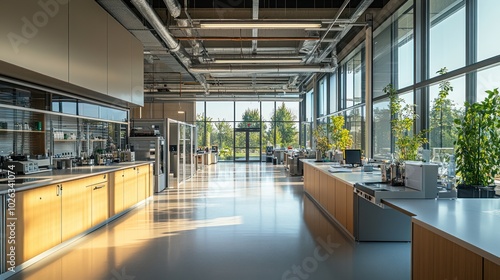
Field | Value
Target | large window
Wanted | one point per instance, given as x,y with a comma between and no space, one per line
447,35
441,117
355,123
404,48
381,129
333,95
381,61
322,93
276,123
487,79
488,38
220,111
309,106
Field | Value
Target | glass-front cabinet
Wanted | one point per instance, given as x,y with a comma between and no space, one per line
39,125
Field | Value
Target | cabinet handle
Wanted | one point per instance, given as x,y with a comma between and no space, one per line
98,187
58,190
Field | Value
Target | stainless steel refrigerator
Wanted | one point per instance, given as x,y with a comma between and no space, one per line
151,149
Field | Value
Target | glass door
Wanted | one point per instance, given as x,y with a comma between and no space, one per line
247,144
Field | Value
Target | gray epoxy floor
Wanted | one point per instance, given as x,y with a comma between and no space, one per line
231,221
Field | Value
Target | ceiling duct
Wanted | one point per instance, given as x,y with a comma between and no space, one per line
308,45
173,7
173,45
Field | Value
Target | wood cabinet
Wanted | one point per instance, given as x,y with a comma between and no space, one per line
38,224
335,196
330,206
435,257
98,187
349,208
46,216
142,182
76,208
116,193
129,187
340,203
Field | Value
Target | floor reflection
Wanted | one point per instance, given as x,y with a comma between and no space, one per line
230,221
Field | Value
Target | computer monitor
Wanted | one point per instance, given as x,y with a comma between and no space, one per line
352,157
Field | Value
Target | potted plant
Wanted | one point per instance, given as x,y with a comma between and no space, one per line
322,144
406,141
341,138
476,148
403,118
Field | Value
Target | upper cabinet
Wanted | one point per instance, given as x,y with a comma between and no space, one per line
88,46
35,36
73,46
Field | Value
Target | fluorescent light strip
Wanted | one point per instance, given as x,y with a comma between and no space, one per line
250,25
258,61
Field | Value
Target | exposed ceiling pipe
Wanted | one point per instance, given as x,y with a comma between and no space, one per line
252,98
174,46
221,90
337,16
270,50
173,7
261,69
255,31
365,4
355,16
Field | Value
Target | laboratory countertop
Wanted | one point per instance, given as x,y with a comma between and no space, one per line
56,176
349,176
471,223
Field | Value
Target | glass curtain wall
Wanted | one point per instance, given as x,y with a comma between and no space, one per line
458,38
224,124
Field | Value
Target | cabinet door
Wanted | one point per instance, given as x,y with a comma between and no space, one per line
305,177
38,224
76,208
330,204
340,202
100,202
316,185
350,208
142,182
117,192
129,187
323,189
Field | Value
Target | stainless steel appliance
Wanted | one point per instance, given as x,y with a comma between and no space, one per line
22,167
151,149
373,220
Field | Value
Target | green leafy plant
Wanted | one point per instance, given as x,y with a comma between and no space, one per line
341,138
477,152
403,118
322,144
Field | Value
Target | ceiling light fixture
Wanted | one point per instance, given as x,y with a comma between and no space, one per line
258,24
180,111
259,61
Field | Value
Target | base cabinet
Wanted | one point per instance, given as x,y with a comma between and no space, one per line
335,196
435,257
46,216
37,223
76,208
